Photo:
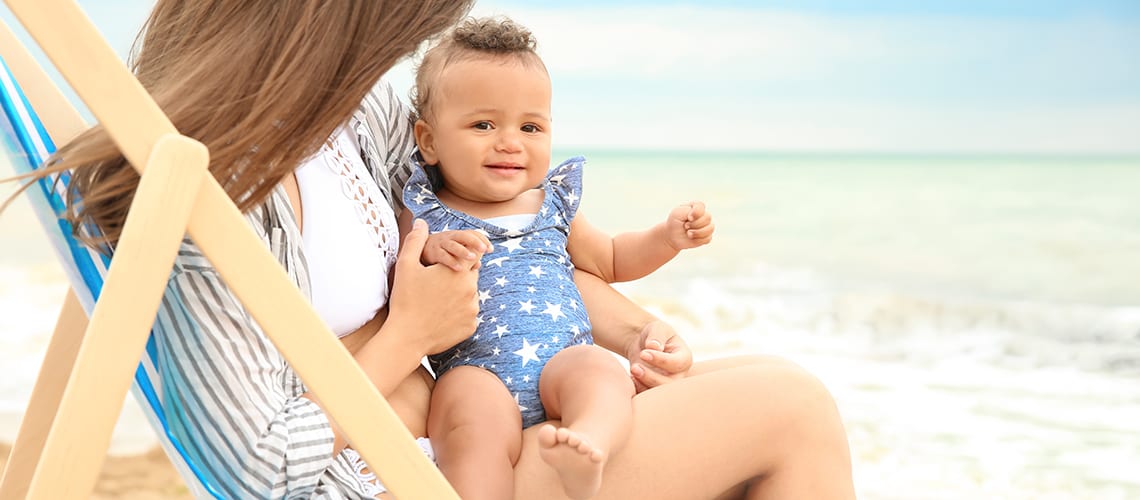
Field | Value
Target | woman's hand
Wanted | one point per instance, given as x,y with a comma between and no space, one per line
659,355
434,305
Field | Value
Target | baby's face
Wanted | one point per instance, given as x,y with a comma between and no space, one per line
490,128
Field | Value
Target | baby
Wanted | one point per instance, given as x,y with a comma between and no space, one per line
486,192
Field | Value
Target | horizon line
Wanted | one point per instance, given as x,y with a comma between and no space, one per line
1126,155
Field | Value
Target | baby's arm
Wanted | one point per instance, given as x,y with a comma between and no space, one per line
459,250
633,255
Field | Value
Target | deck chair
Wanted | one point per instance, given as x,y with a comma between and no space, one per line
104,325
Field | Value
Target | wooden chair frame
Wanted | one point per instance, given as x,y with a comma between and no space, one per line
88,366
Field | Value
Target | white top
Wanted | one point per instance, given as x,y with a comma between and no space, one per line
516,222
349,235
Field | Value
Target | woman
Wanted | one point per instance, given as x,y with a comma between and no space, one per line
284,94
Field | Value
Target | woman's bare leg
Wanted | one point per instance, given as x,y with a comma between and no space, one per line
474,427
591,393
756,419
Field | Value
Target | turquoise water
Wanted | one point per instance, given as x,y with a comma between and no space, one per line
1033,228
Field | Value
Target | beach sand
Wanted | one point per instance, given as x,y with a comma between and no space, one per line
136,477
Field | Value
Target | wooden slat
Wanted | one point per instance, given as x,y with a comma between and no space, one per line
60,119
121,322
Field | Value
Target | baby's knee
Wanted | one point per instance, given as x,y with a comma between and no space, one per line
587,358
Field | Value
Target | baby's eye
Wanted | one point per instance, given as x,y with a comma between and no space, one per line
530,128
482,126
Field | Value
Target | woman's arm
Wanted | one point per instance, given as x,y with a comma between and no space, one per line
655,352
431,308
243,412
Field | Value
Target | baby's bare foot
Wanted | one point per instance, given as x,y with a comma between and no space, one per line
579,464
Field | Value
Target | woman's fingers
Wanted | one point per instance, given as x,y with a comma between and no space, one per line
413,245
668,362
648,377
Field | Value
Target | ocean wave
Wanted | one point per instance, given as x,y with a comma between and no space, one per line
798,308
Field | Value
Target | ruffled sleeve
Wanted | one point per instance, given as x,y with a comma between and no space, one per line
566,184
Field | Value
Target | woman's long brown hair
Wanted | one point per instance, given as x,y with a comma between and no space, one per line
262,83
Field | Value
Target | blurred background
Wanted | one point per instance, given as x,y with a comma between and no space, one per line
931,205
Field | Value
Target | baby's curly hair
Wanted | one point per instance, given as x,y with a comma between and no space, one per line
488,37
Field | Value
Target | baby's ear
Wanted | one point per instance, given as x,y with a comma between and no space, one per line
425,139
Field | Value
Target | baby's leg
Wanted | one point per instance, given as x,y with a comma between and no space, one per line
475,428
587,388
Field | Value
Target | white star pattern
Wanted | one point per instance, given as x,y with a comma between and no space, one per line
478,320
484,295
557,179
498,261
419,199
513,233
531,289
572,198
501,329
509,380
554,310
502,306
536,271
495,352
547,242
512,244
521,407
574,329
528,352
554,339
425,189
557,218
526,378
526,307
574,304
544,211
501,281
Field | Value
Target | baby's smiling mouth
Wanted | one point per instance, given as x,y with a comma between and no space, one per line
505,166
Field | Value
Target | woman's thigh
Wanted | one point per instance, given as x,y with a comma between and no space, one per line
732,420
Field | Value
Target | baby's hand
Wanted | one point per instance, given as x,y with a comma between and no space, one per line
658,356
459,250
689,226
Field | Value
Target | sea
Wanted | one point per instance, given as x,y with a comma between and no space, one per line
976,317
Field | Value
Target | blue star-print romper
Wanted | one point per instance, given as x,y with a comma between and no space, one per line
529,308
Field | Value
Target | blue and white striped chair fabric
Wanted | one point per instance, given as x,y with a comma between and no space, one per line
28,145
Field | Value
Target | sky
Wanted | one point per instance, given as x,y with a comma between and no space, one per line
934,76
